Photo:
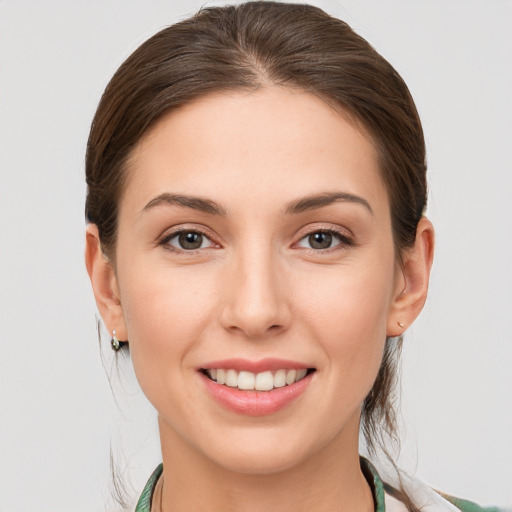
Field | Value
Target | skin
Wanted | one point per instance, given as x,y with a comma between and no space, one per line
256,289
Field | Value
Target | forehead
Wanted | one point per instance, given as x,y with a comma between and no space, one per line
285,142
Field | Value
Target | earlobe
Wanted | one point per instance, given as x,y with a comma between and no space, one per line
104,283
412,290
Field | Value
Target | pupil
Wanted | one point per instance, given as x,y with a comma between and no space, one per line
320,240
190,240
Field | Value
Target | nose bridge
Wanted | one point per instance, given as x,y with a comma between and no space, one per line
257,304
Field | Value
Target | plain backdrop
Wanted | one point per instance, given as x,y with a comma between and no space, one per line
58,418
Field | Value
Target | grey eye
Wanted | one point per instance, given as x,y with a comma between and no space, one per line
189,241
320,240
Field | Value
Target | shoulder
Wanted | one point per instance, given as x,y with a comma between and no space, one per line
403,492
426,499
469,506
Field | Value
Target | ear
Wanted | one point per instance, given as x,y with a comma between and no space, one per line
104,283
412,285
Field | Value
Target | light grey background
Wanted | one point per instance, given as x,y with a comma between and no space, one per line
58,417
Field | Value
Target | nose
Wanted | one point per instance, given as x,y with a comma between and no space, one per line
256,301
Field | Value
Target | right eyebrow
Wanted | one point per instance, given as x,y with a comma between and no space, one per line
195,203
317,201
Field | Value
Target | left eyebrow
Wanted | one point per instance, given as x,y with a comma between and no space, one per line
316,201
192,202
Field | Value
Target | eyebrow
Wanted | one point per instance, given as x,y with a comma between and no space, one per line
304,204
195,203
316,201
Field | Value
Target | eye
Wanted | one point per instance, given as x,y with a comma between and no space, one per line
188,240
323,239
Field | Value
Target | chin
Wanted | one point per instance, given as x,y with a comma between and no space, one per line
263,454
261,463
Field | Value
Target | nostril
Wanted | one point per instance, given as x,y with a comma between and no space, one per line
271,328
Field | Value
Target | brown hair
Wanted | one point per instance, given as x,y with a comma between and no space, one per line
250,46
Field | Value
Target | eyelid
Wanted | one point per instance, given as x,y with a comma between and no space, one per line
169,234
343,235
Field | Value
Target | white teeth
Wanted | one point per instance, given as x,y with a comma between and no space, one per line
231,379
290,376
264,381
246,380
280,379
300,374
221,376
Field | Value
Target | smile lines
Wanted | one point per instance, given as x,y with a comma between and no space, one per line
264,381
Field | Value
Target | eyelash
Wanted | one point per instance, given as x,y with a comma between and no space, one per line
343,240
168,237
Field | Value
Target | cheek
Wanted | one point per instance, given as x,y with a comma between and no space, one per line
165,312
347,311
352,298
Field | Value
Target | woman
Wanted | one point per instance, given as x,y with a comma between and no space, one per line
256,188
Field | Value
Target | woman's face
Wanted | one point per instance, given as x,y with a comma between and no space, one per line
255,241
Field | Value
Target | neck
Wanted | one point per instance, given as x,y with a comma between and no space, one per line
331,480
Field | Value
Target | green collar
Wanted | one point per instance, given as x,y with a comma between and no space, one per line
373,478
376,484
144,503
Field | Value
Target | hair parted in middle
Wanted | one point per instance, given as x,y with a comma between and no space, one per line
247,47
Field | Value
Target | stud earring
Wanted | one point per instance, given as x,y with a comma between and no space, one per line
400,324
114,342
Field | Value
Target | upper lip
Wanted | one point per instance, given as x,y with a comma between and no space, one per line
267,364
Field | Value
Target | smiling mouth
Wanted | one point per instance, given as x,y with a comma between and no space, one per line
263,381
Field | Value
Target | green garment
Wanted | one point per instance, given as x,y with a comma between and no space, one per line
144,503
469,506
373,478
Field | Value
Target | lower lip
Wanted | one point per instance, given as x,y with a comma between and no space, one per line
256,403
